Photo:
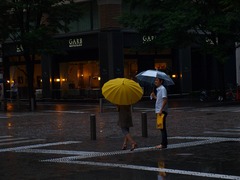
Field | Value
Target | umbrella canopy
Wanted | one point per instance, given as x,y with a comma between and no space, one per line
122,91
150,75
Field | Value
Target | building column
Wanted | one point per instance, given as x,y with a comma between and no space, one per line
111,55
110,40
184,56
238,66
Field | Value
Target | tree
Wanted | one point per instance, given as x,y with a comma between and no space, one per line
32,24
214,25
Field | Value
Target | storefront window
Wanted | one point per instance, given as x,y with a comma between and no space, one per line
130,68
163,65
19,79
79,75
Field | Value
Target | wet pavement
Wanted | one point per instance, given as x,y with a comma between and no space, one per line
55,142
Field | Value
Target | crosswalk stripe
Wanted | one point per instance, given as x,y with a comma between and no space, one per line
37,146
63,152
20,142
78,156
1,137
11,139
72,112
235,129
221,132
218,109
3,117
201,141
146,168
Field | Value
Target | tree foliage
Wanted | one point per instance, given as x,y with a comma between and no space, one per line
33,25
34,22
214,25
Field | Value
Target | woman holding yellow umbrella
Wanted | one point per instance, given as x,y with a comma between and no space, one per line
123,92
125,122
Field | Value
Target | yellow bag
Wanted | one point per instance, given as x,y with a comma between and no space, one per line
159,124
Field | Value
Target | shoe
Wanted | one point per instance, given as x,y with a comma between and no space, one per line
134,146
161,146
124,147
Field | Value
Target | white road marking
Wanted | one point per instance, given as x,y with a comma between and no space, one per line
5,137
11,139
146,168
218,109
3,117
221,132
235,129
37,146
20,142
14,114
200,141
206,140
72,112
64,152
79,155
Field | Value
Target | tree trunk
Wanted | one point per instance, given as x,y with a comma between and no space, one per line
30,74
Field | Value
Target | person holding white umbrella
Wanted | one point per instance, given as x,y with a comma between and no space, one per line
161,107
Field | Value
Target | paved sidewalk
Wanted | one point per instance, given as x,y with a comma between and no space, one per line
55,143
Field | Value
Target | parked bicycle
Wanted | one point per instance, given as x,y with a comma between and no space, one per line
210,96
231,92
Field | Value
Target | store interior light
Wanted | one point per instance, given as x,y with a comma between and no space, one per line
174,76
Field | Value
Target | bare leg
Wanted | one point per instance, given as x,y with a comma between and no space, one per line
124,147
129,138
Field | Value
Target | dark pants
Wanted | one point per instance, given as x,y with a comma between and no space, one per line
164,130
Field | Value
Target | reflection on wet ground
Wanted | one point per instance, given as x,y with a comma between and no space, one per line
54,143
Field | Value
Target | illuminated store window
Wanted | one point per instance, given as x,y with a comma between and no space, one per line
130,68
79,75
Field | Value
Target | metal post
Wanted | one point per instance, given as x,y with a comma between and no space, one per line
5,105
144,125
18,101
101,104
32,104
93,126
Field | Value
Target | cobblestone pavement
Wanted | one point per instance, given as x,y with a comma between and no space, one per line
56,142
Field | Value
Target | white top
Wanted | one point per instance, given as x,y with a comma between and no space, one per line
161,94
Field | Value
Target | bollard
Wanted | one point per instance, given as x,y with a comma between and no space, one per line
93,126
5,105
101,104
144,124
32,104
18,101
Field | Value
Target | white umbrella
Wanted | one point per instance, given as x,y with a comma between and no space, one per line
150,75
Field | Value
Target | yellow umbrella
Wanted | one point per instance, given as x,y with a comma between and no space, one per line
122,91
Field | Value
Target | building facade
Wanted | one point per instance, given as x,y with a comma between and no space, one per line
97,49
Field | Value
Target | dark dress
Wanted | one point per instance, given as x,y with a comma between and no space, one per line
125,116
